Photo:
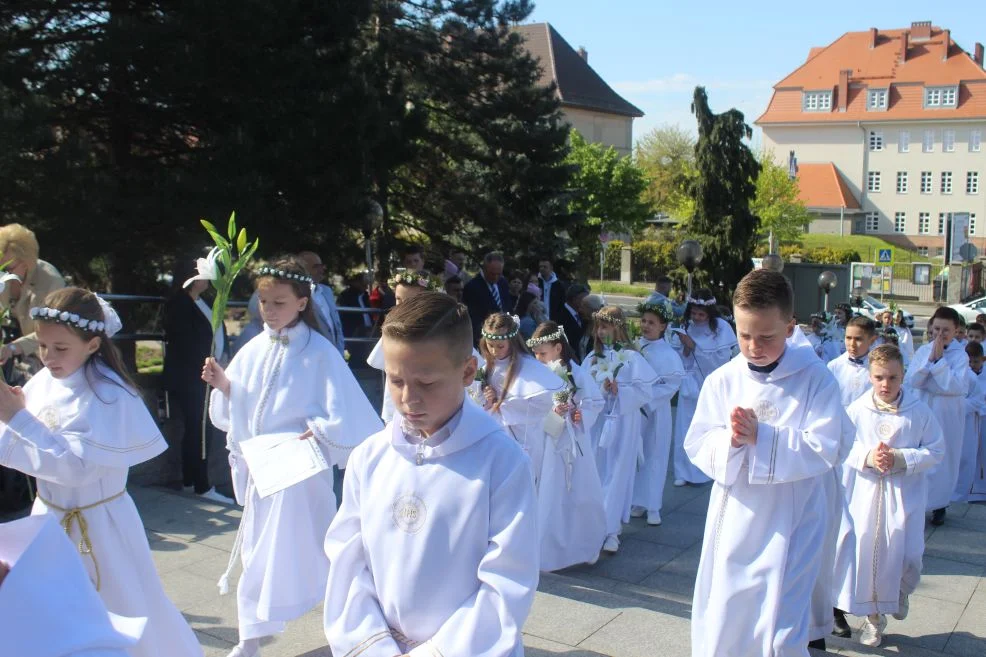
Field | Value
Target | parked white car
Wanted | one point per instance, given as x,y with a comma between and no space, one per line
970,309
873,307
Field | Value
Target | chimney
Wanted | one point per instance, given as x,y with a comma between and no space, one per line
978,56
844,89
905,40
584,54
947,42
920,31
873,33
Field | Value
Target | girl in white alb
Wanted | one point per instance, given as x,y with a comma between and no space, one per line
78,426
627,381
517,389
571,520
705,343
288,383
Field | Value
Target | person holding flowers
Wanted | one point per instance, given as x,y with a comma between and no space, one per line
287,383
627,382
517,389
571,521
648,489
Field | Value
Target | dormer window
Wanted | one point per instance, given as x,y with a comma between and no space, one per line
816,101
940,96
876,100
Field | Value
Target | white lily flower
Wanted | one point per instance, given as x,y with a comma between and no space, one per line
6,277
208,268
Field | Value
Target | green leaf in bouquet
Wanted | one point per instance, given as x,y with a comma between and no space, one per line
231,226
241,241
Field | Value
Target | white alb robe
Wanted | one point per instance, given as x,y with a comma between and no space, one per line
905,342
712,351
571,520
616,433
278,388
943,386
853,378
888,509
767,515
525,405
975,413
79,436
48,606
656,426
438,558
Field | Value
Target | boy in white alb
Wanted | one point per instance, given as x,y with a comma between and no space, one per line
897,440
767,427
970,463
851,368
434,550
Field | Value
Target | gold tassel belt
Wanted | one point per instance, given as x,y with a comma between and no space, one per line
74,515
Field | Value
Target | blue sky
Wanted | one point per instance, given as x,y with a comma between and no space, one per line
654,52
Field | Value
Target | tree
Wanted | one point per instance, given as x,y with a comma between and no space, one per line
667,156
776,202
610,194
723,191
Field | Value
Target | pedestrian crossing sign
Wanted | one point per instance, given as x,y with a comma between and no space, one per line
885,256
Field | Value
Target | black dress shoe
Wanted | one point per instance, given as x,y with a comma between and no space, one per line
938,517
817,644
841,628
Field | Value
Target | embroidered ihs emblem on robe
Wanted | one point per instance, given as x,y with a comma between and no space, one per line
885,430
765,410
49,417
410,513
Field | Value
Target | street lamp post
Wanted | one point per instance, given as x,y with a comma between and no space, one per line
690,257
827,281
773,262
371,219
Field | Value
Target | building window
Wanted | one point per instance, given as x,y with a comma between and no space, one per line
928,146
904,141
876,99
816,101
926,182
924,223
900,222
941,223
940,96
946,182
972,182
901,182
948,141
923,251
872,222
972,224
975,140
940,251
876,140
873,181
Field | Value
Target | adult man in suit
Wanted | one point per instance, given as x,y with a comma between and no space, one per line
552,288
662,293
329,322
486,293
356,324
570,316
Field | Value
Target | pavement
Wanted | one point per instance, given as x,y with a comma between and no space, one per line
634,604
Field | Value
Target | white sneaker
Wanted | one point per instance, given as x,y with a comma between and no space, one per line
873,626
612,544
679,482
653,518
215,496
903,606
637,512
248,648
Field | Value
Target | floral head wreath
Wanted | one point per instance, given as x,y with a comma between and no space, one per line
662,310
288,275
551,337
600,316
702,302
109,325
408,277
509,335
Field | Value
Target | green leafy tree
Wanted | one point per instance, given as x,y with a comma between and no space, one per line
610,195
723,191
776,202
667,156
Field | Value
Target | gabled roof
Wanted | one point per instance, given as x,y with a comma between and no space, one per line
578,85
822,186
879,66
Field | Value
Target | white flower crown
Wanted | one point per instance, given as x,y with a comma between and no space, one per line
600,316
64,317
504,336
544,339
702,302
280,273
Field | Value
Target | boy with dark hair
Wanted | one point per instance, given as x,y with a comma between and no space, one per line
938,374
767,429
414,257
851,368
976,332
434,550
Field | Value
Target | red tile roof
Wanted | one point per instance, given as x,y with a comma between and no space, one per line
822,186
880,67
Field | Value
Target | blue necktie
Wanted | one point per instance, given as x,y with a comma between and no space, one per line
495,290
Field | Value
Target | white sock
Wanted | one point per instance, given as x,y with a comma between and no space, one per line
246,648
